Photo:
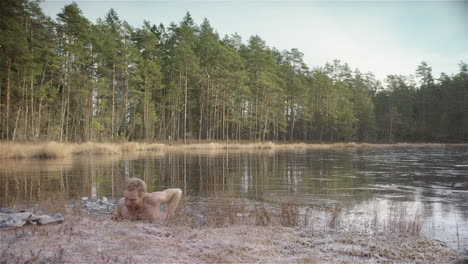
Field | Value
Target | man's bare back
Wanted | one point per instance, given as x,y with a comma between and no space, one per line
137,204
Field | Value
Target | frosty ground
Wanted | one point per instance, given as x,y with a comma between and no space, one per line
94,239
226,232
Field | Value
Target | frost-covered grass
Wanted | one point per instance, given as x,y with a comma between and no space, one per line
226,231
93,239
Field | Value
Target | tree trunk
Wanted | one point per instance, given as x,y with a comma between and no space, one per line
38,125
207,114
16,123
8,92
223,116
68,111
145,109
265,121
32,105
185,105
89,115
25,103
200,122
2,121
293,114
25,129
256,113
32,84
113,98
62,115
202,101
263,116
125,101
65,101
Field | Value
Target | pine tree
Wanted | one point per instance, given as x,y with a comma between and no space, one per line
14,47
75,51
148,77
182,76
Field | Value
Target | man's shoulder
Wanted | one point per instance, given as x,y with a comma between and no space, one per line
154,197
121,201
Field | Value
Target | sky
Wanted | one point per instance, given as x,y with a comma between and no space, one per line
382,37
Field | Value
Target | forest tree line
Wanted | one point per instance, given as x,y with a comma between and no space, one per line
72,80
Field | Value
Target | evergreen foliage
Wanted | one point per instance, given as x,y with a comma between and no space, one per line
72,80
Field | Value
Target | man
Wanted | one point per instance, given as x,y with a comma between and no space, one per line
137,204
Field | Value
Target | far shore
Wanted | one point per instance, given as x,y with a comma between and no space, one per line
54,150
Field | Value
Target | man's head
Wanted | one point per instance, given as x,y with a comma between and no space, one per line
134,191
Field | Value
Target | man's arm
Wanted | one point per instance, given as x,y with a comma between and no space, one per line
171,197
117,215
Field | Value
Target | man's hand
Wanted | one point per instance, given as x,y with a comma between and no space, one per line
174,196
169,196
115,217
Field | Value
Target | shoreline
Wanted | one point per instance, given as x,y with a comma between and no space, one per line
55,150
93,239
258,236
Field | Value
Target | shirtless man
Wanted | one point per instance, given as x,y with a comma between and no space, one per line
137,204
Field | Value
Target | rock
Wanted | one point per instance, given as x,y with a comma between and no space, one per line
22,215
14,219
100,206
6,211
57,218
13,222
8,220
45,219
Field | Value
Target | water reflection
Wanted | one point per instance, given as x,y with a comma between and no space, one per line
434,176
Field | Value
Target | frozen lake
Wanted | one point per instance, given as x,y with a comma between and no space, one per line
432,178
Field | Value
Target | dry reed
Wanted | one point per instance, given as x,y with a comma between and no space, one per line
400,219
225,212
290,213
262,216
54,150
335,216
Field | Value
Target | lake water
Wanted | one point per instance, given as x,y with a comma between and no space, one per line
358,179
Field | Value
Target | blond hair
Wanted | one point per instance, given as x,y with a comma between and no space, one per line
136,184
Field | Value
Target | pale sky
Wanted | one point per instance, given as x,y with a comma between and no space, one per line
382,37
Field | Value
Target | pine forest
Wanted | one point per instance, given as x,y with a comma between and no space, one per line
67,79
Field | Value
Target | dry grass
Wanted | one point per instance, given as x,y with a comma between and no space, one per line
290,213
54,150
22,151
225,212
262,216
335,216
51,203
400,219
